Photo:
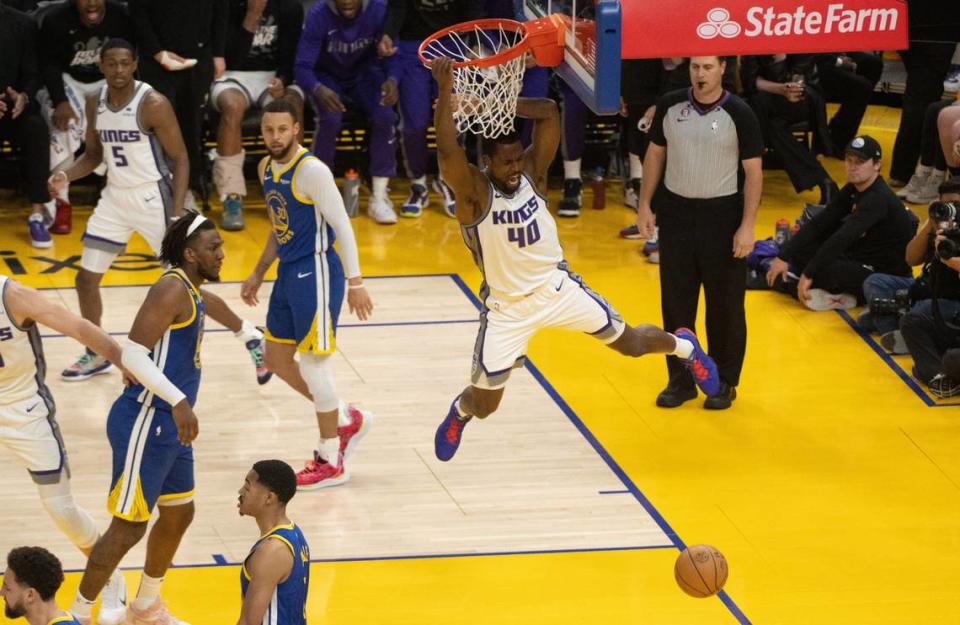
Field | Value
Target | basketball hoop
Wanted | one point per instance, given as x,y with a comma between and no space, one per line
488,64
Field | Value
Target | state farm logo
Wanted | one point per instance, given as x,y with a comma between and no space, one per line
764,21
718,23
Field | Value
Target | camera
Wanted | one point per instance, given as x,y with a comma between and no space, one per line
898,305
949,246
941,212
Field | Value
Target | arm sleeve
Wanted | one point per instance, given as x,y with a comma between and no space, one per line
290,27
308,49
396,12
866,215
136,359
147,39
749,137
218,29
314,180
50,67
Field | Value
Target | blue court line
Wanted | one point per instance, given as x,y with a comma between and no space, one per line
890,362
219,559
607,458
613,492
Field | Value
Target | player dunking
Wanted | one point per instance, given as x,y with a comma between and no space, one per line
275,577
151,425
28,421
527,286
131,128
307,214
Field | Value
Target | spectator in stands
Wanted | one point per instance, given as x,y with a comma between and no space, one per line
949,126
778,88
261,44
925,181
864,229
848,78
182,45
933,36
20,120
407,24
337,59
884,287
71,34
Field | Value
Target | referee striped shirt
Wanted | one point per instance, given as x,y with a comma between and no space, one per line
705,143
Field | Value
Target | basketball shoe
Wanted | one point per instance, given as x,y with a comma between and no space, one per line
255,347
156,614
113,601
447,439
318,473
417,201
572,198
702,367
86,366
63,222
449,201
350,435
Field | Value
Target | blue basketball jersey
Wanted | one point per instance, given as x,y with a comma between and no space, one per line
177,353
289,603
298,226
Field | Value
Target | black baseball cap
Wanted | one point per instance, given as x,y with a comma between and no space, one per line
864,146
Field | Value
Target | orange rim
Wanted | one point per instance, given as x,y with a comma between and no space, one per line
485,24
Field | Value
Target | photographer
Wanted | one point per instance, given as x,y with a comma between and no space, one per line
889,297
931,328
864,230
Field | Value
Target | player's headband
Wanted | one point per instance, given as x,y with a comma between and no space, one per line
199,219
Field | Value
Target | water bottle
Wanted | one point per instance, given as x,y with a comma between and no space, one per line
351,192
599,186
782,232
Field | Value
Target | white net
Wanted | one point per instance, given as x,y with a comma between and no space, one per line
485,98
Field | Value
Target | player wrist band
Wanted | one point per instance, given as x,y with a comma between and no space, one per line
351,287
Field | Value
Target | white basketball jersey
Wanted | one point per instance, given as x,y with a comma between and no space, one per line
515,243
21,356
133,155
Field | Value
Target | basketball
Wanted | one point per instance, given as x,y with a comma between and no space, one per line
700,571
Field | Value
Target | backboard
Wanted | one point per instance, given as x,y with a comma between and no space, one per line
591,64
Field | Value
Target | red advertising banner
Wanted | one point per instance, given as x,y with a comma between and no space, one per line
653,28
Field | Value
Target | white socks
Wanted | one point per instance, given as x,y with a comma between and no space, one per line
81,606
148,592
380,186
683,348
422,181
636,166
571,170
248,332
460,412
329,450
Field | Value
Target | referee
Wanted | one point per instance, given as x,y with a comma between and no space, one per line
705,146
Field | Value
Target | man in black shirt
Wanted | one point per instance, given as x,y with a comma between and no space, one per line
182,45
407,24
71,35
705,144
20,120
865,229
262,38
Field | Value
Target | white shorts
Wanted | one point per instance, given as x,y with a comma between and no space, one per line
507,326
64,144
253,85
29,429
121,212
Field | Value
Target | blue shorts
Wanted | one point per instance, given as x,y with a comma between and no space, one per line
150,466
305,303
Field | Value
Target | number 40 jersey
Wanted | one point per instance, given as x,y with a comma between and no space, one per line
515,242
132,153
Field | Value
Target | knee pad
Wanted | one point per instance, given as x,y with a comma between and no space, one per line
75,522
318,374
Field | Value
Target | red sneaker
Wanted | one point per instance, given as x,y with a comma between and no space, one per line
319,473
63,223
350,435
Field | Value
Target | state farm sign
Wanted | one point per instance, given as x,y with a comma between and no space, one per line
729,28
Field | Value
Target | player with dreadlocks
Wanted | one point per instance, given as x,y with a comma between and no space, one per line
152,424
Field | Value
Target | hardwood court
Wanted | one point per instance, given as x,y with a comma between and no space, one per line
830,486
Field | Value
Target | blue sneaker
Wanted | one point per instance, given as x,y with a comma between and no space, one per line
447,440
232,219
39,236
417,201
702,367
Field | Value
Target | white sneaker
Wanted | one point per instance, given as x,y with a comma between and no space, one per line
190,203
156,614
449,202
113,601
381,210
913,185
823,300
927,191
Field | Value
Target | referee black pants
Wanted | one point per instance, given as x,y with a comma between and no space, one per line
696,249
